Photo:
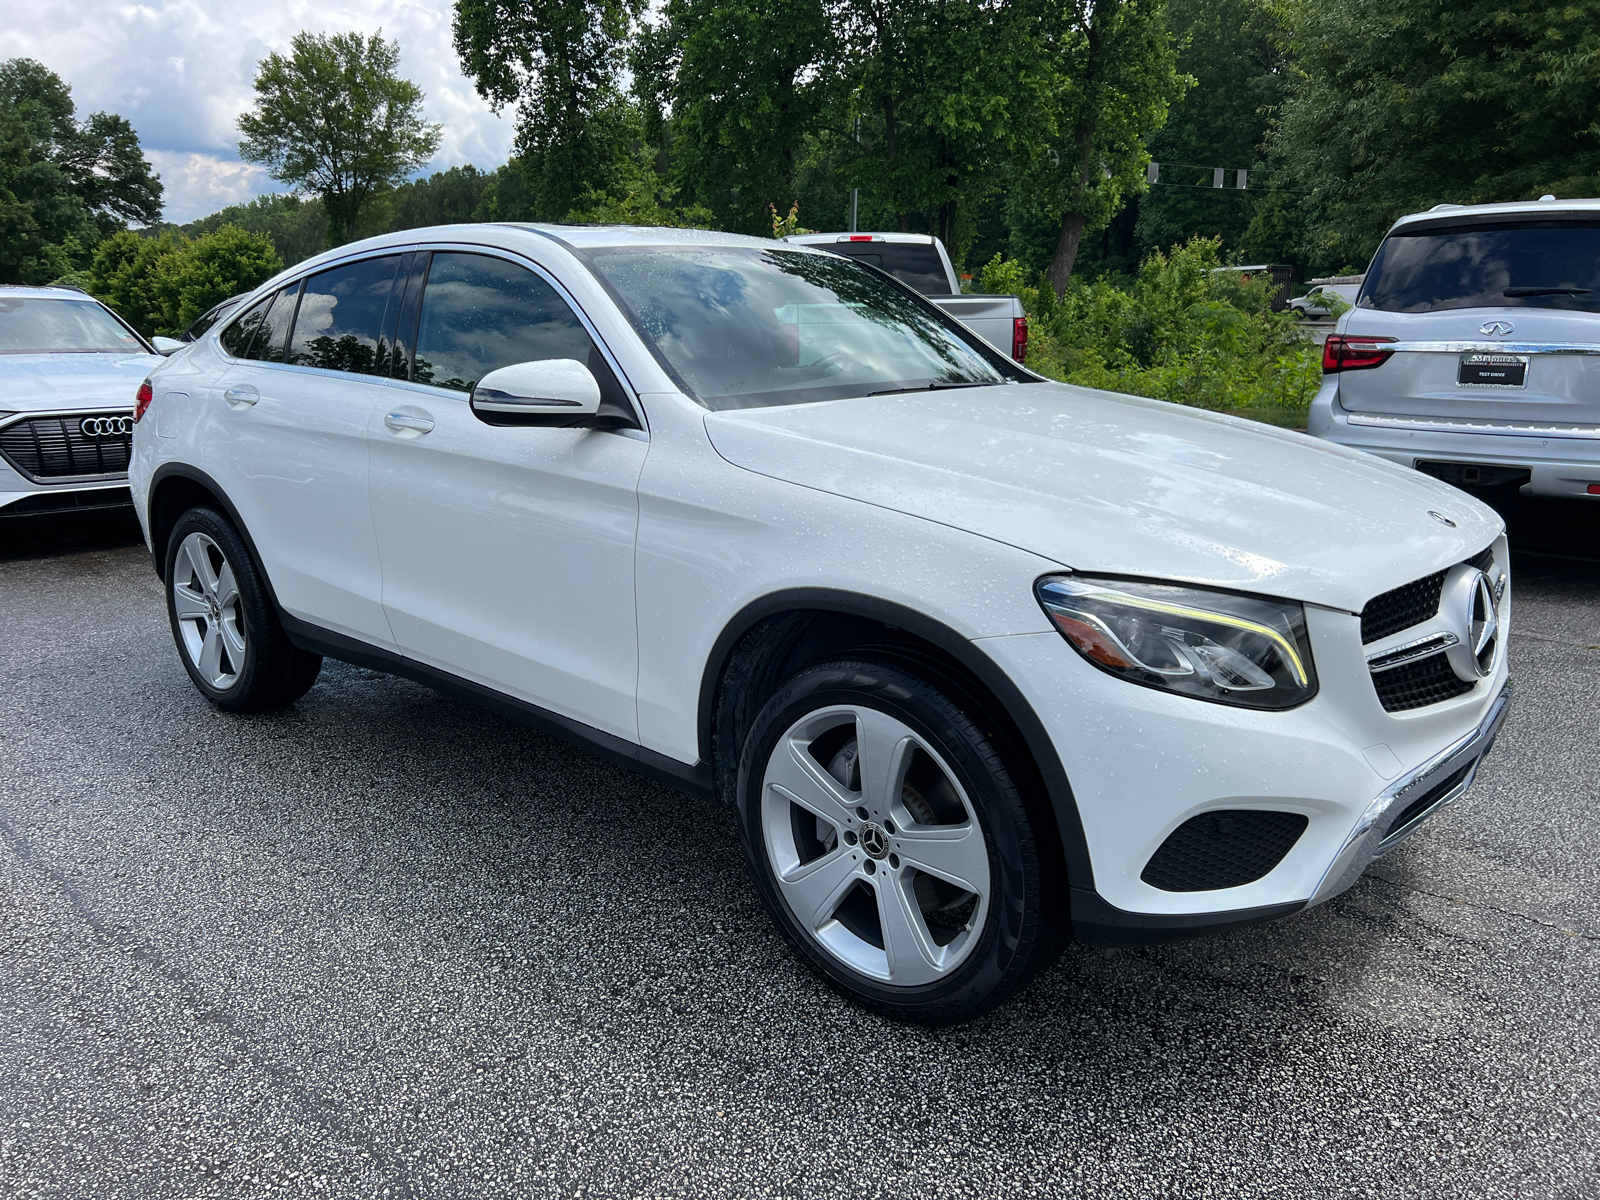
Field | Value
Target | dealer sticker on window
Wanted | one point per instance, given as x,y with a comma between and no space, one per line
1493,370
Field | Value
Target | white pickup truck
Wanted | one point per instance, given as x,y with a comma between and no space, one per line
919,260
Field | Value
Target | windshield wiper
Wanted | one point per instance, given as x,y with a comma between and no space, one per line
937,387
1545,291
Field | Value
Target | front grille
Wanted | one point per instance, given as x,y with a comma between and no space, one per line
1483,559
1420,806
1430,680
46,449
1408,605
1223,849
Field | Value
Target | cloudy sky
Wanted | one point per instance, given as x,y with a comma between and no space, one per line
181,71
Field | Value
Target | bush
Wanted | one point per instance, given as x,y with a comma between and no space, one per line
161,284
1183,332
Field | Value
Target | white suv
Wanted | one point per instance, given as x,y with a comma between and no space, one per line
1473,349
982,661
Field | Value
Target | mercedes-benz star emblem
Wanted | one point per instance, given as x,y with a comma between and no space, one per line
1441,518
99,427
1471,612
1497,328
874,840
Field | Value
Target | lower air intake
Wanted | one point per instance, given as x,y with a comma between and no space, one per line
1223,849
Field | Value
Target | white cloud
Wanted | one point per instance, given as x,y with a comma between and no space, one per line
182,72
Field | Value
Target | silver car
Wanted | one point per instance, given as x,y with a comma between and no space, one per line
1473,350
70,375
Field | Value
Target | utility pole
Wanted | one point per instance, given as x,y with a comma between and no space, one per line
855,193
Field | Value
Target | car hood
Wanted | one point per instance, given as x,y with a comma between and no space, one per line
1108,483
38,382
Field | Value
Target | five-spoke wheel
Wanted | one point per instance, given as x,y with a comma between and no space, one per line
205,599
888,840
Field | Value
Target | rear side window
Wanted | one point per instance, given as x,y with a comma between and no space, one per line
914,264
267,345
1545,264
236,338
202,323
481,313
341,320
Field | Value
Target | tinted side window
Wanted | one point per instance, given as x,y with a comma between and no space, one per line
236,337
268,343
481,313
340,326
207,320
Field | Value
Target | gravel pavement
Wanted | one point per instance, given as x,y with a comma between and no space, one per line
384,944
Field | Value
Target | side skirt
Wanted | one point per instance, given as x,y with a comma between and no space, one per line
695,779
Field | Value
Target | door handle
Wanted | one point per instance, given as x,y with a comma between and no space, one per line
405,423
241,397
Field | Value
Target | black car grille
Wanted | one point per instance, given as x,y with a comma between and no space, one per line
1408,605
46,449
1430,680
1483,559
1223,849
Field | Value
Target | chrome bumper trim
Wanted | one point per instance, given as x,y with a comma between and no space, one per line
1375,834
1449,425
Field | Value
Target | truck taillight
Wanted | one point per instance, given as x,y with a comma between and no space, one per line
1350,352
1019,339
141,400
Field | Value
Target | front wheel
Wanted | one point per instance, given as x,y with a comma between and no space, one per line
891,845
228,636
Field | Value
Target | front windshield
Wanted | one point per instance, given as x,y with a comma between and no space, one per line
747,327
48,325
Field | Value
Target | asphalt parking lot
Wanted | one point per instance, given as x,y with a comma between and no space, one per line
384,944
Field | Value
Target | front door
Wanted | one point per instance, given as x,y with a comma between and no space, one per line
507,552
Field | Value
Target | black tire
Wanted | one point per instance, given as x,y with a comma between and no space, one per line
1017,937
271,671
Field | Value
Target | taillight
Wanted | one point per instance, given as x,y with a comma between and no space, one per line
1019,339
860,237
1352,352
142,400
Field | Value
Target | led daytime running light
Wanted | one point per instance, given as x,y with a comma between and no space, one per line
1284,646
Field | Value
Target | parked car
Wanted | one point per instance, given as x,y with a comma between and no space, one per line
981,661
211,316
921,261
69,367
1316,303
1473,351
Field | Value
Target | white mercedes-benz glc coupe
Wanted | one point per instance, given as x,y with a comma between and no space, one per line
983,662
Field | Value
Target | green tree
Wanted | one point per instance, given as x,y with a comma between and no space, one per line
65,183
161,284
334,118
296,226
124,274
1115,77
746,90
1401,104
559,62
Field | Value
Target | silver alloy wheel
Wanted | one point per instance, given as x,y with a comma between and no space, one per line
210,613
875,846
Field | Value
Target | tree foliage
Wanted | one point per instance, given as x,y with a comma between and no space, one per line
65,183
559,62
1401,104
334,118
161,284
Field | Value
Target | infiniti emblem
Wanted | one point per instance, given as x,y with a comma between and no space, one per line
1441,518
874,840
1497,327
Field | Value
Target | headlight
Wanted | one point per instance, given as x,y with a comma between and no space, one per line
1216,646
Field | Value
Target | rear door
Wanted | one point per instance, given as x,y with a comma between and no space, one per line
1496,322
291,436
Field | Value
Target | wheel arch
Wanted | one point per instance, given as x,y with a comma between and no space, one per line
174,489
778,634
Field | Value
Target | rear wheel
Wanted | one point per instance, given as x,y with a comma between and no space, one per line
228,636
890,843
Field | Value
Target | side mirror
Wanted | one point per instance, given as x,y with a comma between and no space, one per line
555,392
166,345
